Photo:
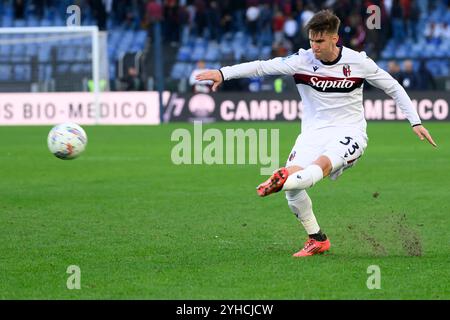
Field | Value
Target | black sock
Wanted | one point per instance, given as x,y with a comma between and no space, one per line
319,236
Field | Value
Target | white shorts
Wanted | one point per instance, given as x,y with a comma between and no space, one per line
344,146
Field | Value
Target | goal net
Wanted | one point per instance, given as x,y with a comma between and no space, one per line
53,59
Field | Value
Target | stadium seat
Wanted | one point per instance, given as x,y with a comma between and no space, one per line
266,52
88,21
213,52
252,52
215,65
184,54
226,47
5,50
200,43
415,50
18,58
44,54
76,68
135,48
401,52
45,23
58,22
19,23
141,38
32,22
383,64
387,53
238,46
189,68
63,68
128,36
443,67
22,73
441,50
87,68
45,72
433,66
111,52
239,38
7,22
18,50
83,53
429,51
445,49
179,71
112,71
198,53
447,17
5,72
31,49
8,11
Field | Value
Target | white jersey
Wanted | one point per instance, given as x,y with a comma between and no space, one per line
332,93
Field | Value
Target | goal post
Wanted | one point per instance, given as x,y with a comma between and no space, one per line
54,59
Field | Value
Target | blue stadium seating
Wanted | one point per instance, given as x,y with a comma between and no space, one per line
237,47
232,48
120,40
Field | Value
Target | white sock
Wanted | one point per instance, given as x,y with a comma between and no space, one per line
300,204
304,179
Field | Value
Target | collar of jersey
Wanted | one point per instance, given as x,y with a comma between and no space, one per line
329,63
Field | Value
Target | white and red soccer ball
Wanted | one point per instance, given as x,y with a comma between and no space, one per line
67,140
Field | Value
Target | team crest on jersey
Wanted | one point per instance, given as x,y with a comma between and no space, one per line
346,70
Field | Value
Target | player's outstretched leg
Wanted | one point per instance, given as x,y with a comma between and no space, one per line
274,183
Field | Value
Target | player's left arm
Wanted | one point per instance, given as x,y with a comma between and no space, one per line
384,81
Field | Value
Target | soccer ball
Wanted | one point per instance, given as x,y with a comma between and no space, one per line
67,140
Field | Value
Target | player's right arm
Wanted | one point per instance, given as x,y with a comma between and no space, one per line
276,66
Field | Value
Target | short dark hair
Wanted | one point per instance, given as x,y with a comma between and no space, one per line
323,21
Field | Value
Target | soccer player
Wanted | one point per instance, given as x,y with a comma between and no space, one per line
333,137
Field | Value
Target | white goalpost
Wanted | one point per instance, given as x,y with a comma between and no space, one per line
65,48
54,59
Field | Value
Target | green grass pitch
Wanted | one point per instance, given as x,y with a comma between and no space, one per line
140,227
